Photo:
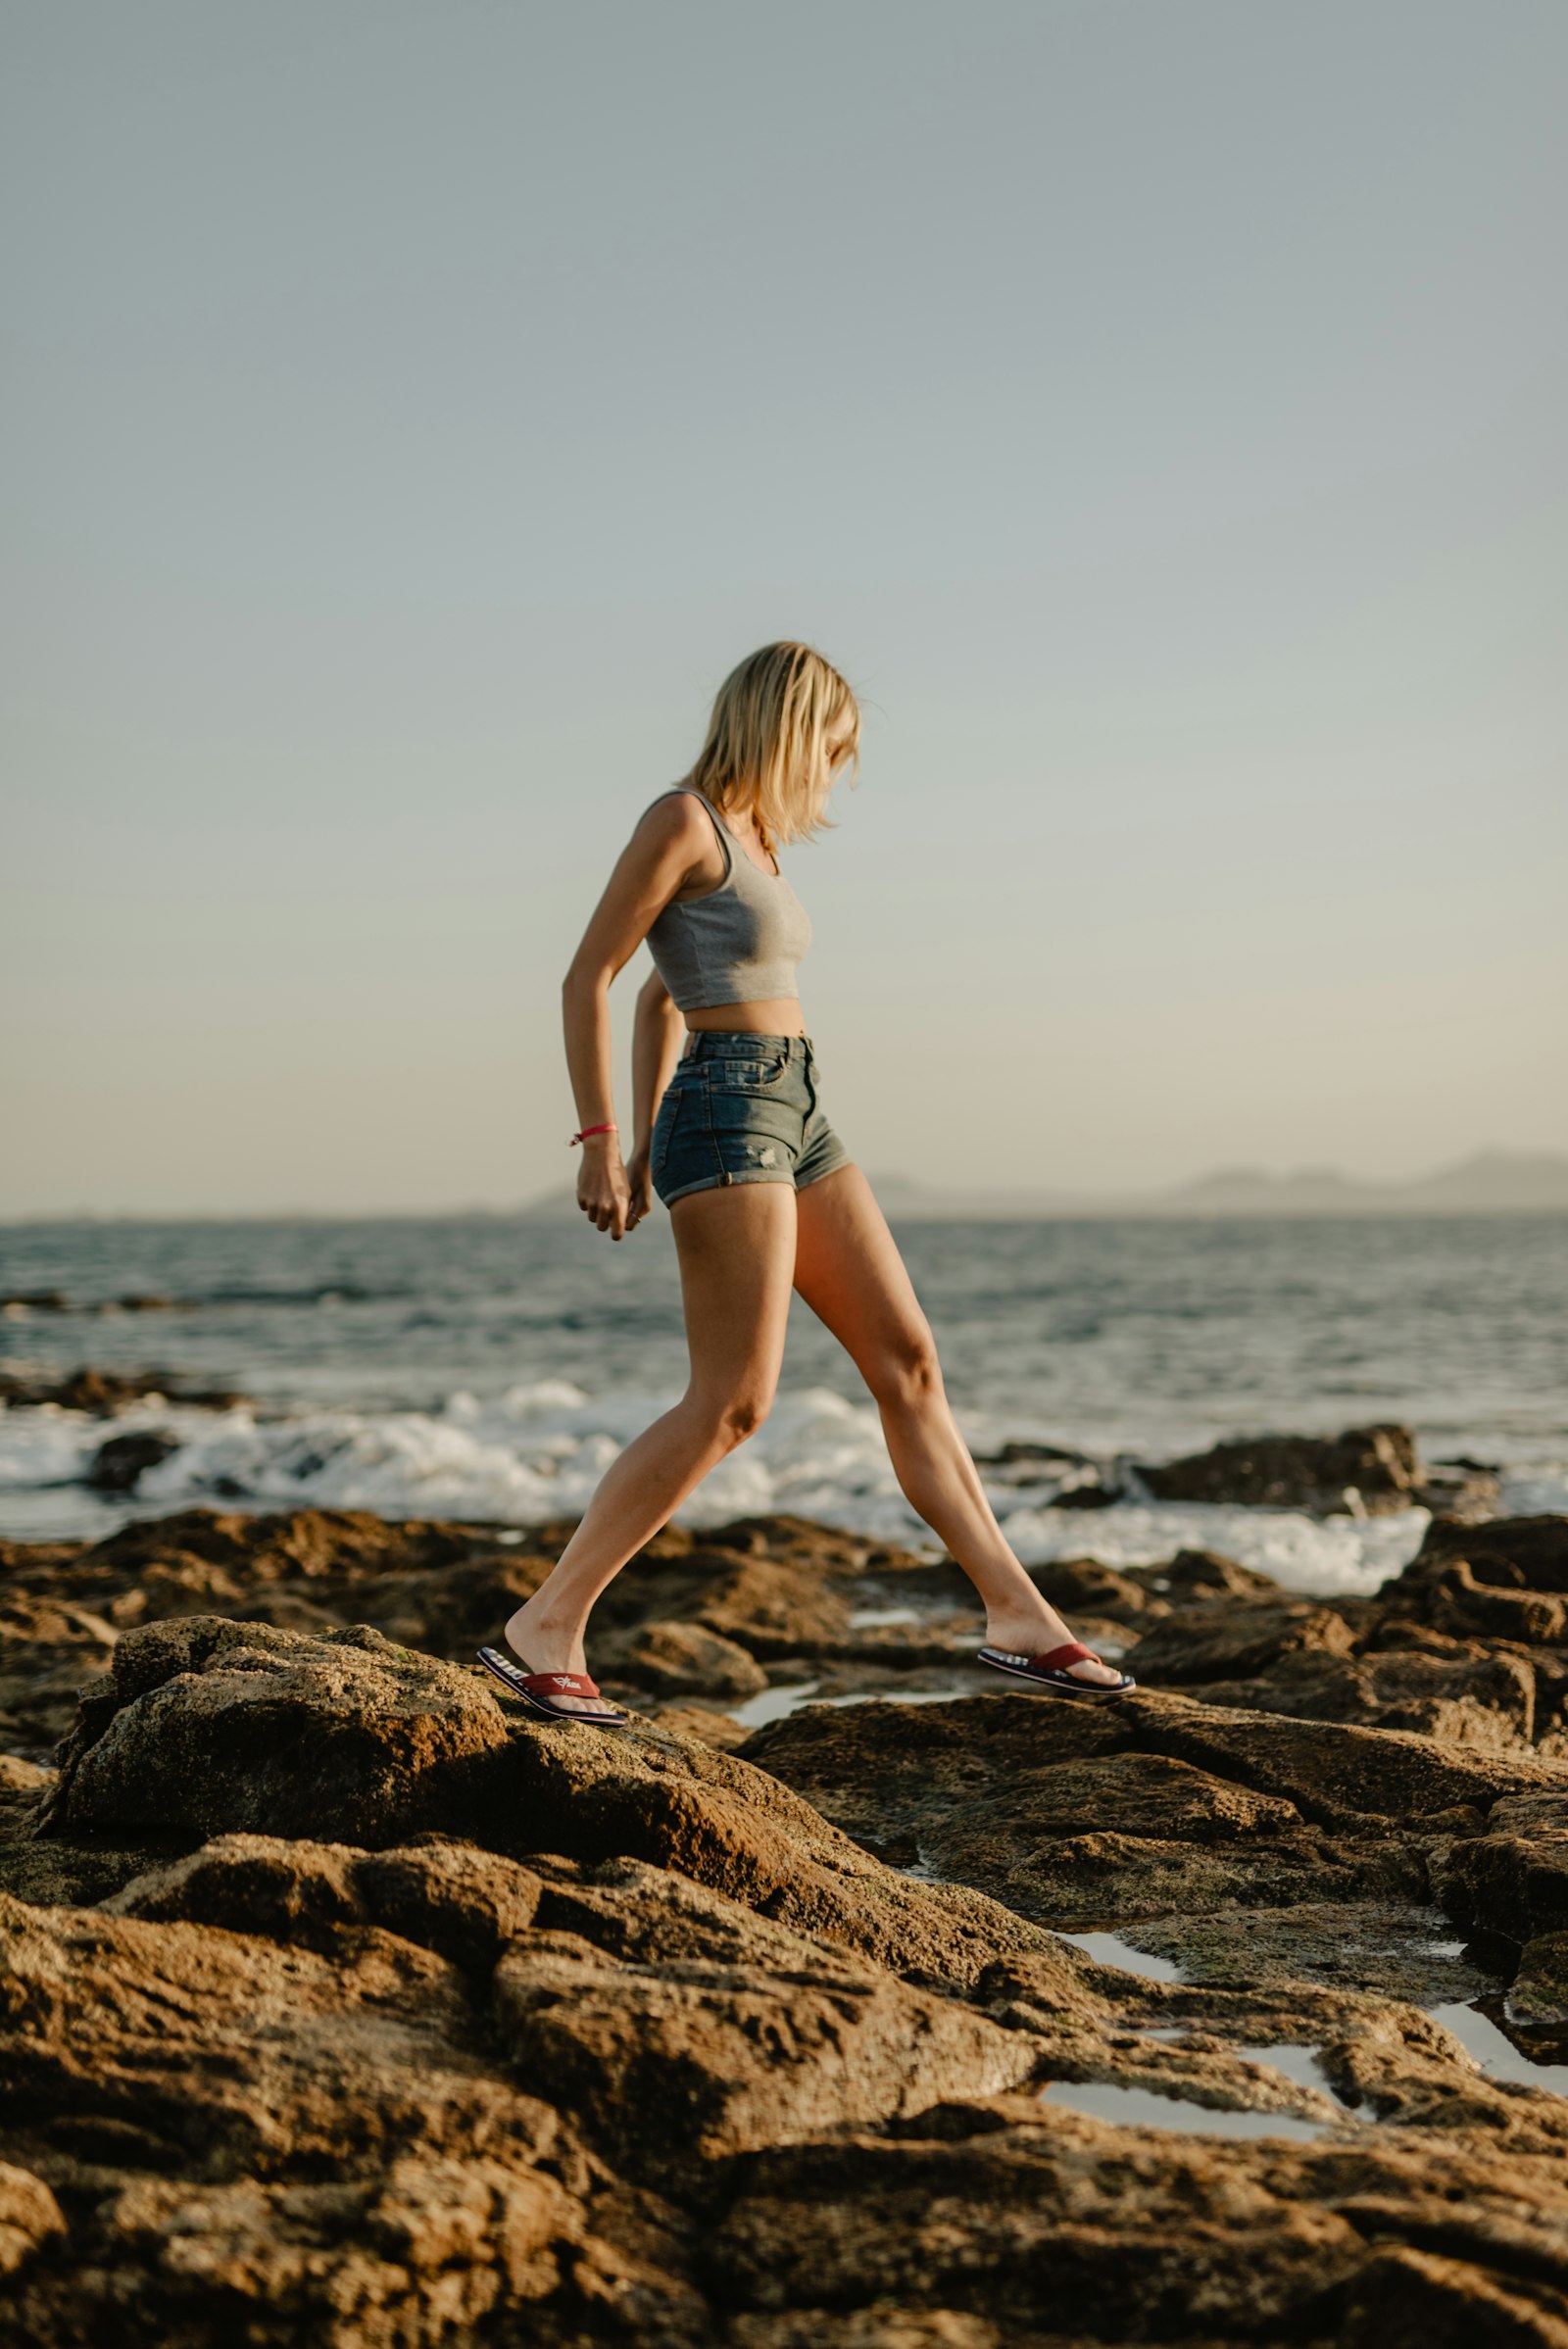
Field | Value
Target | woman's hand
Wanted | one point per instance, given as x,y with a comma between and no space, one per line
603,1187
639,1185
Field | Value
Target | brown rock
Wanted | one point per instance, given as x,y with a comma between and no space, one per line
1463,1605
1378,1464
106,1391
207,1726
1534,1549
1203,1642
268,1886
675,1659
1539,1994
1080,1587
272,2146
49,1651
1205,1574
1513,1880
751,2035
454,1898
1336,1771
1130,2234
118,1465
700,1723
1074,1816
409,2018
29,2216
467,1903
1464,1697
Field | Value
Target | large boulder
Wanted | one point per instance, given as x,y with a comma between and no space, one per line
209,1729
1378,1465
1201,1642
1484,1599
1529,1552
465,1903
1511,1879
675,2025
1464,1645
998,2221
1153,1806
266,2145
1464,1696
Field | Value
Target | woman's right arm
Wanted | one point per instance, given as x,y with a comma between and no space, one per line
656,1039
673,844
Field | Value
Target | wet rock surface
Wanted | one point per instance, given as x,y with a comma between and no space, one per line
104,1393
342,2001
1371,1471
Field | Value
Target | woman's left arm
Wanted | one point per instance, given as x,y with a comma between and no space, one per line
656,1030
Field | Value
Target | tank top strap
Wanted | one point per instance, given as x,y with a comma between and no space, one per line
726,842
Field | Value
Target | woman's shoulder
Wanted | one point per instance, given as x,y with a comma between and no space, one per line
679,822
677,815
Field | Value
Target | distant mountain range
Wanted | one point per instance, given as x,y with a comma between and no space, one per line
1491,1183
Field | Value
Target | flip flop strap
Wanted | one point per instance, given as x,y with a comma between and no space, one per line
1071,1651
559,1684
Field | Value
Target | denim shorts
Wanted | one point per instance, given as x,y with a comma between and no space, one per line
742,1108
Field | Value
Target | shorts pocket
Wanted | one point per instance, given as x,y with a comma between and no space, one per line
729,1073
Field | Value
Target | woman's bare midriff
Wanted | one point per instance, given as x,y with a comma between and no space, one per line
782,1017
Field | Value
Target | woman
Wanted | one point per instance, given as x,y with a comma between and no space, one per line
762,1194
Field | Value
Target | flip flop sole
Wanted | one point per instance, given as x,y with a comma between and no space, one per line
1075,1691
511,1679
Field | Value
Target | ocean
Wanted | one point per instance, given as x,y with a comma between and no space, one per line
489,1367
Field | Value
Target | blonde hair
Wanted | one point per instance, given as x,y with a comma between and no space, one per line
763,751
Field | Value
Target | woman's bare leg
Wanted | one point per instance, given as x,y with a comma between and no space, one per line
736,1245
849,1270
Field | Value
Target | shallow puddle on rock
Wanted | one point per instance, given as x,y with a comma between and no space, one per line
1110,1949
921,1870
773,1704
1300,2063
1143,2108
1497,2053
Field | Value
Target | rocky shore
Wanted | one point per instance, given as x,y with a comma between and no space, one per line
342,2003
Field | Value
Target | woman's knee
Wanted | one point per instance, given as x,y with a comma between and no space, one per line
728,1419
907,1370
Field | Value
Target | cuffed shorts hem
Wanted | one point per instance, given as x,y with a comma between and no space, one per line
722,1182
805,1181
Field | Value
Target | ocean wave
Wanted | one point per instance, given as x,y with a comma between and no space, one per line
537,1453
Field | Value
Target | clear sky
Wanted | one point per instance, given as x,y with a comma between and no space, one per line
1156,408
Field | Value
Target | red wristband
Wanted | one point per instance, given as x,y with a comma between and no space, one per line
587,1130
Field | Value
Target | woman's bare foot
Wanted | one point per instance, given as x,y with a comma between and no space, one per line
1037,1635
541,1646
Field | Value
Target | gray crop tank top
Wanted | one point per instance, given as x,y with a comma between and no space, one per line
739,944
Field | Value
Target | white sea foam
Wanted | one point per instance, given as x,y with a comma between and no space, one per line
537,1453
1333,1554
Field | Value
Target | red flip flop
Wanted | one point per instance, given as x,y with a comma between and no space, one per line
536,1690
1049,1671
